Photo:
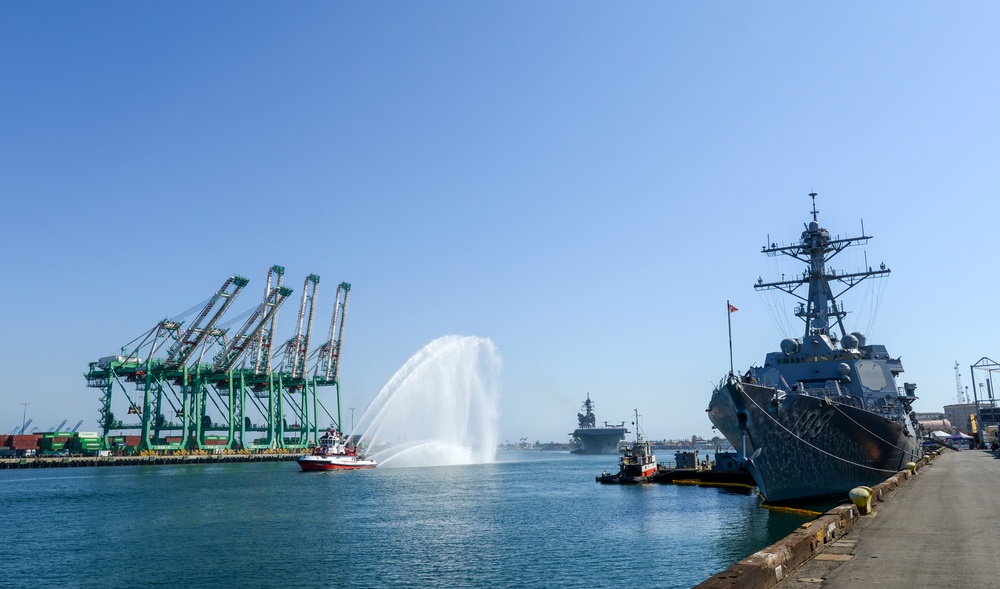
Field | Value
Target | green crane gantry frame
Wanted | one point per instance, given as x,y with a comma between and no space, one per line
181,401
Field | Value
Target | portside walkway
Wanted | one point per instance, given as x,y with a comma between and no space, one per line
940,530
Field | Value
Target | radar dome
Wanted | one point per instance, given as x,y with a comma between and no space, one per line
861,338
813,225
789,346
850,342
843,369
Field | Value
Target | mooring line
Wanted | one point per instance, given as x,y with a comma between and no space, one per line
799,438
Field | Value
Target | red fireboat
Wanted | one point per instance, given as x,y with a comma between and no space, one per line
334,453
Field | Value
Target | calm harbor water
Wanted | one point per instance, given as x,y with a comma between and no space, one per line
532,519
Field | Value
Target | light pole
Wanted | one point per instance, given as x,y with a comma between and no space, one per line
24,415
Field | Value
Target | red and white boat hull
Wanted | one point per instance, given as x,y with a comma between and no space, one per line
334,462
334,453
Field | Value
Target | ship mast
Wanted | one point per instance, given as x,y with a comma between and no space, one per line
587,418
819,309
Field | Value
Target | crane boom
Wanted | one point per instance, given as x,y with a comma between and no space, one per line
340,332
181,351
225,359
297,348
328,362
261,350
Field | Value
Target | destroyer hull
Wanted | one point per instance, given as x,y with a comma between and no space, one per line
598,440
798,446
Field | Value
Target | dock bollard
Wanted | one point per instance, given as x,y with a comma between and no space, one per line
912,467
862,497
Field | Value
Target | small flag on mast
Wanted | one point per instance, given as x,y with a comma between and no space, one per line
729,320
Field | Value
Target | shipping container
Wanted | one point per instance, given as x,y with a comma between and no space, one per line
106,361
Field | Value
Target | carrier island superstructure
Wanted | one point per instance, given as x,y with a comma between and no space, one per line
200,386
590,439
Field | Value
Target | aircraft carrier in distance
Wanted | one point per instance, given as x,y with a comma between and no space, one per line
590,439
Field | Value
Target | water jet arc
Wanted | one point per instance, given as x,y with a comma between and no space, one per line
440,408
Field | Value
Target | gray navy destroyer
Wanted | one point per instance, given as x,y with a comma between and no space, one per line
824,414
590,439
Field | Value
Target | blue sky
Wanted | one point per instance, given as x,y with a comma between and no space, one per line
585,183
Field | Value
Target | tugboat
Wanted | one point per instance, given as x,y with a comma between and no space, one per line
590,439
823,414
637,464
334,453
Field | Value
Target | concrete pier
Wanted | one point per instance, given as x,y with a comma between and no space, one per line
938,530
822,540
84,461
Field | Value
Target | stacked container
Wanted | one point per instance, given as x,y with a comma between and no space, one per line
85,443
5,450
53,443
216,440
24,442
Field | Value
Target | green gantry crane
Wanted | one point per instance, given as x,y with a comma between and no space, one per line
204,388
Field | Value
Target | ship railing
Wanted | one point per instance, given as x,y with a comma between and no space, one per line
886,408
830,388
767,382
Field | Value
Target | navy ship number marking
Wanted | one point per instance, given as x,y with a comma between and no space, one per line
811,424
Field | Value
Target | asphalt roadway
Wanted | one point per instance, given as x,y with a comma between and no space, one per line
940,530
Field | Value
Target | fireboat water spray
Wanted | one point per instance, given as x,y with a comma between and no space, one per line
441,408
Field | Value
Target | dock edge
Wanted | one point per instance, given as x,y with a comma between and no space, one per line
766,568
